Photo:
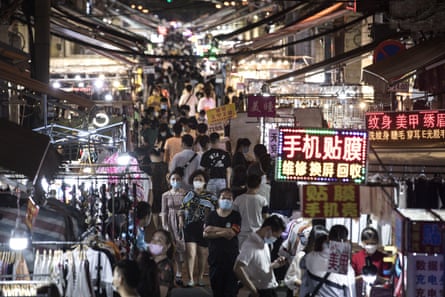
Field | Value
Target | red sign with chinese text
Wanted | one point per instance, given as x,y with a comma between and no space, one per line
412,126
324,155
331,201
261,106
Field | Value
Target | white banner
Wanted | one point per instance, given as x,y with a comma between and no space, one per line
339,253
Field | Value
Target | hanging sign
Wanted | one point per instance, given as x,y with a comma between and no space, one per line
339,257
324,155
330,201
425,275
410,126
425,237
261,106
273,142
221,113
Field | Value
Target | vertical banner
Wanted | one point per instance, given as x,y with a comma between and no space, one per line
261,106
425,275
273,142
339,257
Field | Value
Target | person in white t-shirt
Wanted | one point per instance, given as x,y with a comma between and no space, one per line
207,102
252,207
253,265
188,98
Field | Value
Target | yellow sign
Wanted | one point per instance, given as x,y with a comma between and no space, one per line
221,113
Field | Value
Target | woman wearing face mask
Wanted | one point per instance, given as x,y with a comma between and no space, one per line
370,241
222,228
162,249
316,264
195,208
171,202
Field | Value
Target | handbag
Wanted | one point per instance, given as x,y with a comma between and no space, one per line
317,288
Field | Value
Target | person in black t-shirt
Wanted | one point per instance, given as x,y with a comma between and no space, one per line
217,164
222,228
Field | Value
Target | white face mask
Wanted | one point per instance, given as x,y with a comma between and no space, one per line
370,249
198,184
155,249
270,239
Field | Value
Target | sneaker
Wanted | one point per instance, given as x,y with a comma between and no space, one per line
178,281
201,283
190,284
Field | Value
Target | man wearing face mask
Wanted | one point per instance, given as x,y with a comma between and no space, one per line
253,265
370,241
222,228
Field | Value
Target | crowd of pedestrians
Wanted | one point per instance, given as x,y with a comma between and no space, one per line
210,208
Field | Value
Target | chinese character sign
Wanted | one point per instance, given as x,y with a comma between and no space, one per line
425,237
331,201
221,113
425,275
413,126
273,142
260,106
324,155
339,257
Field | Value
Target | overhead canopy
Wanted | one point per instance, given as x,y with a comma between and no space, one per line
94,33
328,63
10,73
406,63
313,17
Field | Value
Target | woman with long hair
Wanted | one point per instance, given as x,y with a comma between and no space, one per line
171,202
162,249
195,208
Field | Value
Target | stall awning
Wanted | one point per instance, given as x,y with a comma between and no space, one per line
10,73
349,56
404,64
317,17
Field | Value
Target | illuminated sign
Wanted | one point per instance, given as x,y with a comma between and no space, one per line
321,155
425,275
425,237
330,201
415,126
